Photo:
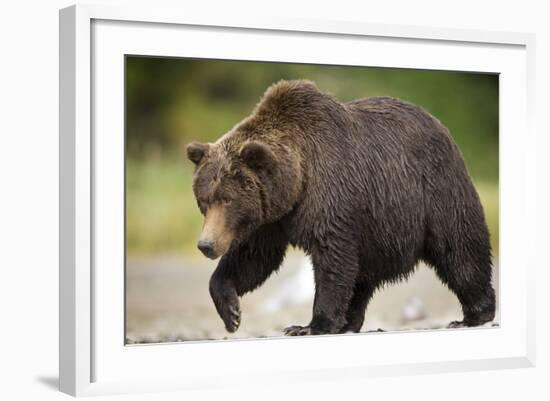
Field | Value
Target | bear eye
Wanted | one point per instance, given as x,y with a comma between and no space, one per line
202,206
226,202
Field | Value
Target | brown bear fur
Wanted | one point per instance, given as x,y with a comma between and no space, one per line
368,188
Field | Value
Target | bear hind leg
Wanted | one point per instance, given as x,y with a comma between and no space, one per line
471,283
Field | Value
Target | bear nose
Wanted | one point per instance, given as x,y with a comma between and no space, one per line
206,247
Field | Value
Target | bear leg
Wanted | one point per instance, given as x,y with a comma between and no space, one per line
457,245
355,316
335,273
478,309
226,301
243,269
471,283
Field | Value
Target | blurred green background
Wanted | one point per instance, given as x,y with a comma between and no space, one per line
170,102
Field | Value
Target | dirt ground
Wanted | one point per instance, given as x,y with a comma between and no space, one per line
167,300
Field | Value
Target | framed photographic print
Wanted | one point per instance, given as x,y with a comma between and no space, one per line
295,200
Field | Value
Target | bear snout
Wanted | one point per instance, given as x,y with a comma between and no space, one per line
215,238
207,248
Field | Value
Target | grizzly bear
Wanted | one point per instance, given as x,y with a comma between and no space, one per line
367,188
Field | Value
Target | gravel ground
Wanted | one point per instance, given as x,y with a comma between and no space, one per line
167,300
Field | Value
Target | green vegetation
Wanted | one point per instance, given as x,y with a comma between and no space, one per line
161,213
170,102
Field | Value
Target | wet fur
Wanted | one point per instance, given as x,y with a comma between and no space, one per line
368,188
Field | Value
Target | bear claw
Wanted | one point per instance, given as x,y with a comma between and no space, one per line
297,331
456,324
231,316
230,311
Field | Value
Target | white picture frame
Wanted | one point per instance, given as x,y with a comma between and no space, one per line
93,357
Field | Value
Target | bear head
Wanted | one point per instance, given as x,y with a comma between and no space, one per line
240,184
254,174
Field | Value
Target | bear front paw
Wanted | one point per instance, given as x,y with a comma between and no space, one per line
297,331
231,314
227,304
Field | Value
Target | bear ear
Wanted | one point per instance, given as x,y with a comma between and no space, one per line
257,155
196,151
